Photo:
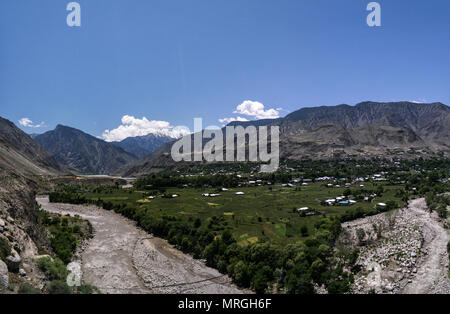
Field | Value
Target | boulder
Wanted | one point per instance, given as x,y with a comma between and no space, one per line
3,276
13,261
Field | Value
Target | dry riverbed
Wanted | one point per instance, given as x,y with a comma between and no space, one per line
121,258
404,251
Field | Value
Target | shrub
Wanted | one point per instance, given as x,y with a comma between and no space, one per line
54,269
5,249
26,288
59,287
86,289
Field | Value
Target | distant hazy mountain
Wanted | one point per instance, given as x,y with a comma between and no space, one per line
33,135
142,146
365,130
81,151
20,154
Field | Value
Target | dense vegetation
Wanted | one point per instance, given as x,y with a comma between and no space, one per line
437,203
66,233
56,272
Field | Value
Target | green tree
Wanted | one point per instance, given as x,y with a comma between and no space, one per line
240,274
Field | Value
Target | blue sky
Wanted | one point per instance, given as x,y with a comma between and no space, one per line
175,60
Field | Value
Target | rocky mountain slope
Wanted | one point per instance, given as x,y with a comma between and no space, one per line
21,235
141,146
83,152
365,130
24,165
20,154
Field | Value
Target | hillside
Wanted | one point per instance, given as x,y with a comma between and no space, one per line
404,129
83,152
21,155
366,129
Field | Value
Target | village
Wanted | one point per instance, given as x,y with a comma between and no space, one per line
298,183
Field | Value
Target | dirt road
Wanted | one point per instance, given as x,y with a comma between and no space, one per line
122,258
432,274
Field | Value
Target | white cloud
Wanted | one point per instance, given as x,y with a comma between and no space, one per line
423,101
26,122
228,120
132,127
256,109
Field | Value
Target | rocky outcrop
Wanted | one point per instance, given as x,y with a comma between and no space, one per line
13,261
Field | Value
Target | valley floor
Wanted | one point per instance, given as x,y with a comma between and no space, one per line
121,258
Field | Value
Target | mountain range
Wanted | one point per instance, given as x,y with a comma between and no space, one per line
368,129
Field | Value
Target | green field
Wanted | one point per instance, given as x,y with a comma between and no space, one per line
263,213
